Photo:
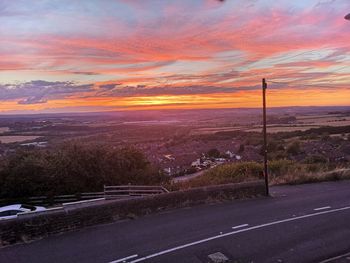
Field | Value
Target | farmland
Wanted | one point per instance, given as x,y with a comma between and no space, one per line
306,122
4,129
17,138
173,140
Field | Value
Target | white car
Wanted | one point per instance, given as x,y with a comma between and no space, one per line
11,211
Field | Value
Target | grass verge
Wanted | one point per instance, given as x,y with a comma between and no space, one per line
280,172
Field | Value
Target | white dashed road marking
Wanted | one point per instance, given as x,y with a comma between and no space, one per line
167,251
239,226
322,208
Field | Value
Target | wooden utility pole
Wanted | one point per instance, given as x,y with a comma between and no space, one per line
266,176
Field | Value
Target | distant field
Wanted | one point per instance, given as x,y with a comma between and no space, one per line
4,129
324,120
306,122
17,138
283,129
318,116
343,135
215,130
334,123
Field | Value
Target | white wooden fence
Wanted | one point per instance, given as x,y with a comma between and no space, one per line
127,191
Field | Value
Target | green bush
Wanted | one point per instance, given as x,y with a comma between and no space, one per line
315,158
241,148
74,168
294,148
237,170
280,167
213,153
223,174
313,167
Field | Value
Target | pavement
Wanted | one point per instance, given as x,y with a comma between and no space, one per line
187,177
304,223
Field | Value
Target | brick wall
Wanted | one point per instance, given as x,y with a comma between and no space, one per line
38,225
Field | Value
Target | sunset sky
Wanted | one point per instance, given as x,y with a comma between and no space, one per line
97,55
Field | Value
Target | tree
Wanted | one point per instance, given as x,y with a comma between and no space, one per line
73,168
325,136
213,153
24,174
241,148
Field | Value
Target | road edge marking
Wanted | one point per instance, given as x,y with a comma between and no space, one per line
334,258
124,259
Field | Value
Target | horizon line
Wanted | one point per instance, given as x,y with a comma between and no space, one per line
167,109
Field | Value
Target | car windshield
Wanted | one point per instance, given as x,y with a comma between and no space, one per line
30,207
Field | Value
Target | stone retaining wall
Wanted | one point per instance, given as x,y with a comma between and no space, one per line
32,226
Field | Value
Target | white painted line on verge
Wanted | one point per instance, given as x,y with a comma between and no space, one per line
236,232
124,259
322,208
239,226
335,258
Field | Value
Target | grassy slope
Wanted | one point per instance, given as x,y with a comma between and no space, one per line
281,172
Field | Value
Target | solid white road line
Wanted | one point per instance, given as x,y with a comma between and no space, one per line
124,259
335,258
239,226
236,232
322,208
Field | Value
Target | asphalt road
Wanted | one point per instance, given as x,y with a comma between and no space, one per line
306,223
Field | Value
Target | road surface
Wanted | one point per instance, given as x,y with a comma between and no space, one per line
188,176
306,223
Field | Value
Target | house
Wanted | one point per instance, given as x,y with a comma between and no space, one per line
230,154
35,144
196,163
169,157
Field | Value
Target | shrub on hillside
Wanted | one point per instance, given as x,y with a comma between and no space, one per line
294,148
280,171
25,173
280,167
223,174
237,170
213,153
241,148
74,168
315,158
